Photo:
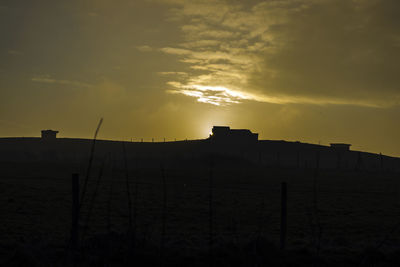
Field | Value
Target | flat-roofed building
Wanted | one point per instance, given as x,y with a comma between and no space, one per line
341,146
49,134
224,134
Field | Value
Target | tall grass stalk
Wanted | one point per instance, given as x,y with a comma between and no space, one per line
93,199
164,213
128,190
135,200
109,199
315,207
90,164
211,214
135,208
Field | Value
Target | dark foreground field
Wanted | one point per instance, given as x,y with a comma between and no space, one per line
334,218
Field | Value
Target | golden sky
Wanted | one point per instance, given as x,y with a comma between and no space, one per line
316,71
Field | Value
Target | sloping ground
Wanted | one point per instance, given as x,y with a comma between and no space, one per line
265,152
336,216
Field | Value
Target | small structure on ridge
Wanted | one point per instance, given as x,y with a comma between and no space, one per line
224,134
49,134
340,146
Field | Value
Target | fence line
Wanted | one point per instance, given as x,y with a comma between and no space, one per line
213,205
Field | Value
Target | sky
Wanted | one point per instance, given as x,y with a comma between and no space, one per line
316,71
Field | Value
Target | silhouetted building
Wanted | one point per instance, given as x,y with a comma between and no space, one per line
341,147
224,134
49,134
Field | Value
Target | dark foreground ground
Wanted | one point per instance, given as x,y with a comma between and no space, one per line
334,217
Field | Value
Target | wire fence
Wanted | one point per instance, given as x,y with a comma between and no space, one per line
178,209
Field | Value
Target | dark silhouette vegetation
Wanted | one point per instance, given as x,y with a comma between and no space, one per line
228,200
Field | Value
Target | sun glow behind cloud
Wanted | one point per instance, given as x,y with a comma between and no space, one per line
223,96
221,59
215,95
246,52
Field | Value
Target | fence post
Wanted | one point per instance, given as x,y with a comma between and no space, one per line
164,211
211,214
283,214
128,188
75,211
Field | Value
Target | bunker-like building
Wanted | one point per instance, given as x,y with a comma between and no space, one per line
224,134
49,134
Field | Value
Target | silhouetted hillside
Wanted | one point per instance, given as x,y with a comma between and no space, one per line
186,198
281,154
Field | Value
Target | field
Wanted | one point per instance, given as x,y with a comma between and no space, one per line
334,217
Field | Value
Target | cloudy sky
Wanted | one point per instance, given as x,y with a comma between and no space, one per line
316,71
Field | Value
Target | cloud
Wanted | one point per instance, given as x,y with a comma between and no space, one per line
144,48
352,57
299,51
222,96
176,51
175,73
49,80
202,43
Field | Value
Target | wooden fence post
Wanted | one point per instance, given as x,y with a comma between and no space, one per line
211,214
75,211
283,215
128,189
164,211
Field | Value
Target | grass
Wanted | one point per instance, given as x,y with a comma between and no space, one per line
357,209
113,250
